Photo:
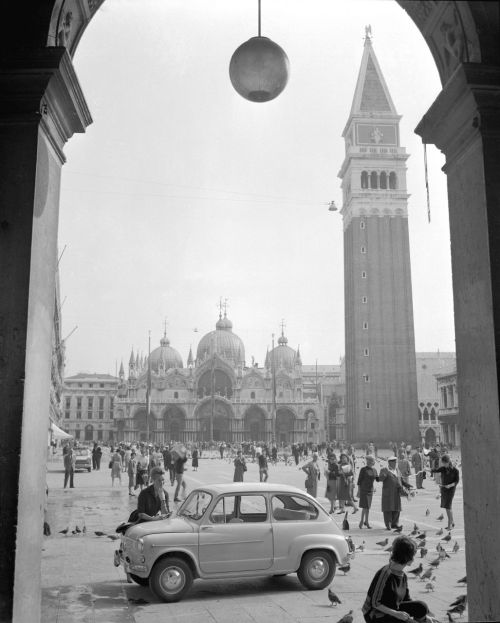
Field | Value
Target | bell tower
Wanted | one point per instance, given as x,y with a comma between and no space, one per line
381,381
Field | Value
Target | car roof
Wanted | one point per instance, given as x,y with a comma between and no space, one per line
250,487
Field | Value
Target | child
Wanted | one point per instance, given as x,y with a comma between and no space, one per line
388,599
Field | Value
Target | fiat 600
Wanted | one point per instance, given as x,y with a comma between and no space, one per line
232,531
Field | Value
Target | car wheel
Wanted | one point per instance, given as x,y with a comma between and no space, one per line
316,570
171,579
139,580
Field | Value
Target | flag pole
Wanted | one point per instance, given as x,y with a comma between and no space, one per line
148,389
273,369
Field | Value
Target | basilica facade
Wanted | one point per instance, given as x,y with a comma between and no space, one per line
216,396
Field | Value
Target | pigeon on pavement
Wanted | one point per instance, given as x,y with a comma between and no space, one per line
435,562
429,586
345,523
383,543
427,512
461,599
345,568
347,618
65,531
77,529
99,533
446,538
456,547
439,532
417,571
423,552
440,518
427,574
463,580
458,609
334,599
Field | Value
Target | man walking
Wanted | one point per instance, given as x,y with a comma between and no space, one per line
69,468
417,461
263,473
391,493
179,477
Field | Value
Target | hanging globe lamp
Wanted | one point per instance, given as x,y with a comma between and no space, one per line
259,68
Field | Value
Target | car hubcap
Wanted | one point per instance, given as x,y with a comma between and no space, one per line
172,580
318,569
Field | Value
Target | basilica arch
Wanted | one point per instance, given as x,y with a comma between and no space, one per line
144,426
255,424
218,381
174,424
45,106
285,422
220,415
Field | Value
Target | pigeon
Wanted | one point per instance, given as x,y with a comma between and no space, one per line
417,571
463,580
427,512
415,528
435,562
347,618
458,609
388,549
440,518
344,568
421,535
73,531
361,547
345,523
446,538
46,529
439,532
461,599
423,552
429,586
77,530
84,529
398,529
456,547
427,574
65,531
421,544
98,533
383,543
113,537
334,599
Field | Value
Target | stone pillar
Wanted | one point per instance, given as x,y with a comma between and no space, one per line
464,122
41,106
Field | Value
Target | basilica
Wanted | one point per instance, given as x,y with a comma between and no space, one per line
216,396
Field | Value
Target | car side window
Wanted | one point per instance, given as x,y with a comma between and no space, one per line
252,508
292,508
224,510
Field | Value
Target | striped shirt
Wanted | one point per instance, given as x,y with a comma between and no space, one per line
387,589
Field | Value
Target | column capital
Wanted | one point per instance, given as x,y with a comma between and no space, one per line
467,108
43,88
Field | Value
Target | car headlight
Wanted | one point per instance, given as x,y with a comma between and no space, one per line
140,545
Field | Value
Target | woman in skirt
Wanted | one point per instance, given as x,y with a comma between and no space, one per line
332,474
449,481
366,478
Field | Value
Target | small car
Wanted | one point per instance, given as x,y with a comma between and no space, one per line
235,530
83,459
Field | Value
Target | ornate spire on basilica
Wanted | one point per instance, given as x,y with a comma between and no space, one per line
190,360
298,360
122,371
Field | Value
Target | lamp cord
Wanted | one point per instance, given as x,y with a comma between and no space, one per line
259,16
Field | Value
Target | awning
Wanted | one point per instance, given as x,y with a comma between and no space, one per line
58,433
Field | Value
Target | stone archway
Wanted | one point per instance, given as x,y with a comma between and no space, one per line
430,438
255,424
220,417
217,381
462,123
285,421
145,426
174,424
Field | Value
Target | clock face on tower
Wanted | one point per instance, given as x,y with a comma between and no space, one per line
376,134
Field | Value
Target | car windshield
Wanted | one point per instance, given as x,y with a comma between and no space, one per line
81,452
195,505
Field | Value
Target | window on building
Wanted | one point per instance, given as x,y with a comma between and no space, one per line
78,415
68,402
313,425
363,249
373,179
99,435
91,384
383,180
364,299
252,395
101,407
111,407
368,405
361,224
363,274
101,385
77,435
366,352
392,180
364,179
66,415
80,385
78,402
365,325
176,394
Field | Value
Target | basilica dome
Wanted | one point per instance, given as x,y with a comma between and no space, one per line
224,342
165,356
282,356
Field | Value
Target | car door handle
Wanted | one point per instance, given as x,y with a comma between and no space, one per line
206,528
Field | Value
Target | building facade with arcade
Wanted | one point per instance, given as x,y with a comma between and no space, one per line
216,396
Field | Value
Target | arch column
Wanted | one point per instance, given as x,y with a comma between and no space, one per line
41,107
464,123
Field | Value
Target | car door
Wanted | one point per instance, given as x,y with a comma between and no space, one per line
237,535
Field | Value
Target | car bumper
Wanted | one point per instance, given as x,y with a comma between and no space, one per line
137,567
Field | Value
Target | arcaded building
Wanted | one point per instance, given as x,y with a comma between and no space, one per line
216,396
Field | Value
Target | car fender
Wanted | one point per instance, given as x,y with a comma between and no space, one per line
181,551
308,542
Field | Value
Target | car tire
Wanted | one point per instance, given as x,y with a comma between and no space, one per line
316,570
139,580
171,579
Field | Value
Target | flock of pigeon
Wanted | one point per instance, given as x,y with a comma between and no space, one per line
420,536
98,533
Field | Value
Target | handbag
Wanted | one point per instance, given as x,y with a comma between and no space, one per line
110,464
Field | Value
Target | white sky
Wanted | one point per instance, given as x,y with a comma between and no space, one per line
181,191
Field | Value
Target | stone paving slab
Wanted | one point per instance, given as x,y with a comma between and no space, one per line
81,585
